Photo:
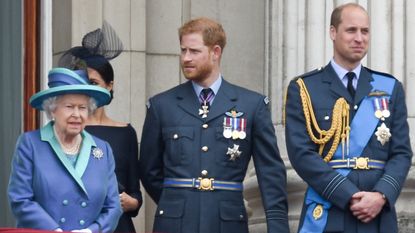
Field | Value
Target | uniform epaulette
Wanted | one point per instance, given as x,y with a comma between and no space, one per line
310,73
380,73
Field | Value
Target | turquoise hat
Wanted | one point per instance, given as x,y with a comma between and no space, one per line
63,81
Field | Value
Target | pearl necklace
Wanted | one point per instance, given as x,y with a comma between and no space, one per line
71,149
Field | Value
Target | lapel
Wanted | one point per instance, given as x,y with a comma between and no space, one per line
76,172
336,85
188,101
223,102
88,144
363,86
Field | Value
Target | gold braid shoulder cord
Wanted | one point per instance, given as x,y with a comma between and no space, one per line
339,129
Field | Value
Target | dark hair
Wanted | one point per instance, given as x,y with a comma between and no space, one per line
103,67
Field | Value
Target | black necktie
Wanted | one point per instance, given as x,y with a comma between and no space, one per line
350,88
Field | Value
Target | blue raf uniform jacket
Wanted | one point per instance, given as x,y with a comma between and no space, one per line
325,88
178,143
47,192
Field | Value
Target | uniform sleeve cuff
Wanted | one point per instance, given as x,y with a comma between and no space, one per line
95,228
277,225
389,189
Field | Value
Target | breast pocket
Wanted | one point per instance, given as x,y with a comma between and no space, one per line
225,148
324,118
169,216
179,142
377,150
233,217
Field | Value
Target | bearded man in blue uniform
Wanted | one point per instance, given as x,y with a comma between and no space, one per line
198,139
351,145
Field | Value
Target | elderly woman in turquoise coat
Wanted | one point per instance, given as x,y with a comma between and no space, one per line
63,178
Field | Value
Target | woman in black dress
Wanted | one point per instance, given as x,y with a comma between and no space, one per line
98,47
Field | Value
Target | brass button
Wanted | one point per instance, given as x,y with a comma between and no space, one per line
205,126
204,173
175,136
205,148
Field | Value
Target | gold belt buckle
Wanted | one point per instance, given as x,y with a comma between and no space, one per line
361,163
205,184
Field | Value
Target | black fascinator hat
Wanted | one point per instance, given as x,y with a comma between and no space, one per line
98,48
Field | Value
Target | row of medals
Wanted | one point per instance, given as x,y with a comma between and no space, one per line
382,112
381,108
234,128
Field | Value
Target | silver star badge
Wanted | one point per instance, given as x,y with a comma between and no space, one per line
383,134
234,153
97,153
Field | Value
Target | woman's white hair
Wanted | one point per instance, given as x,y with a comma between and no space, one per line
49,105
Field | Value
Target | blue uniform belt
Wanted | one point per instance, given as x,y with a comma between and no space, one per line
359,163
204,184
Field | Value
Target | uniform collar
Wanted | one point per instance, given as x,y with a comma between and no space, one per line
215,87
226,95
341,72
337,86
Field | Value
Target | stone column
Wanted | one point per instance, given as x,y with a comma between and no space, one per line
269,43
299,42
406,48
406,200
73,19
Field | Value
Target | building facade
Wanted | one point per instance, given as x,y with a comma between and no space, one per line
269,43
